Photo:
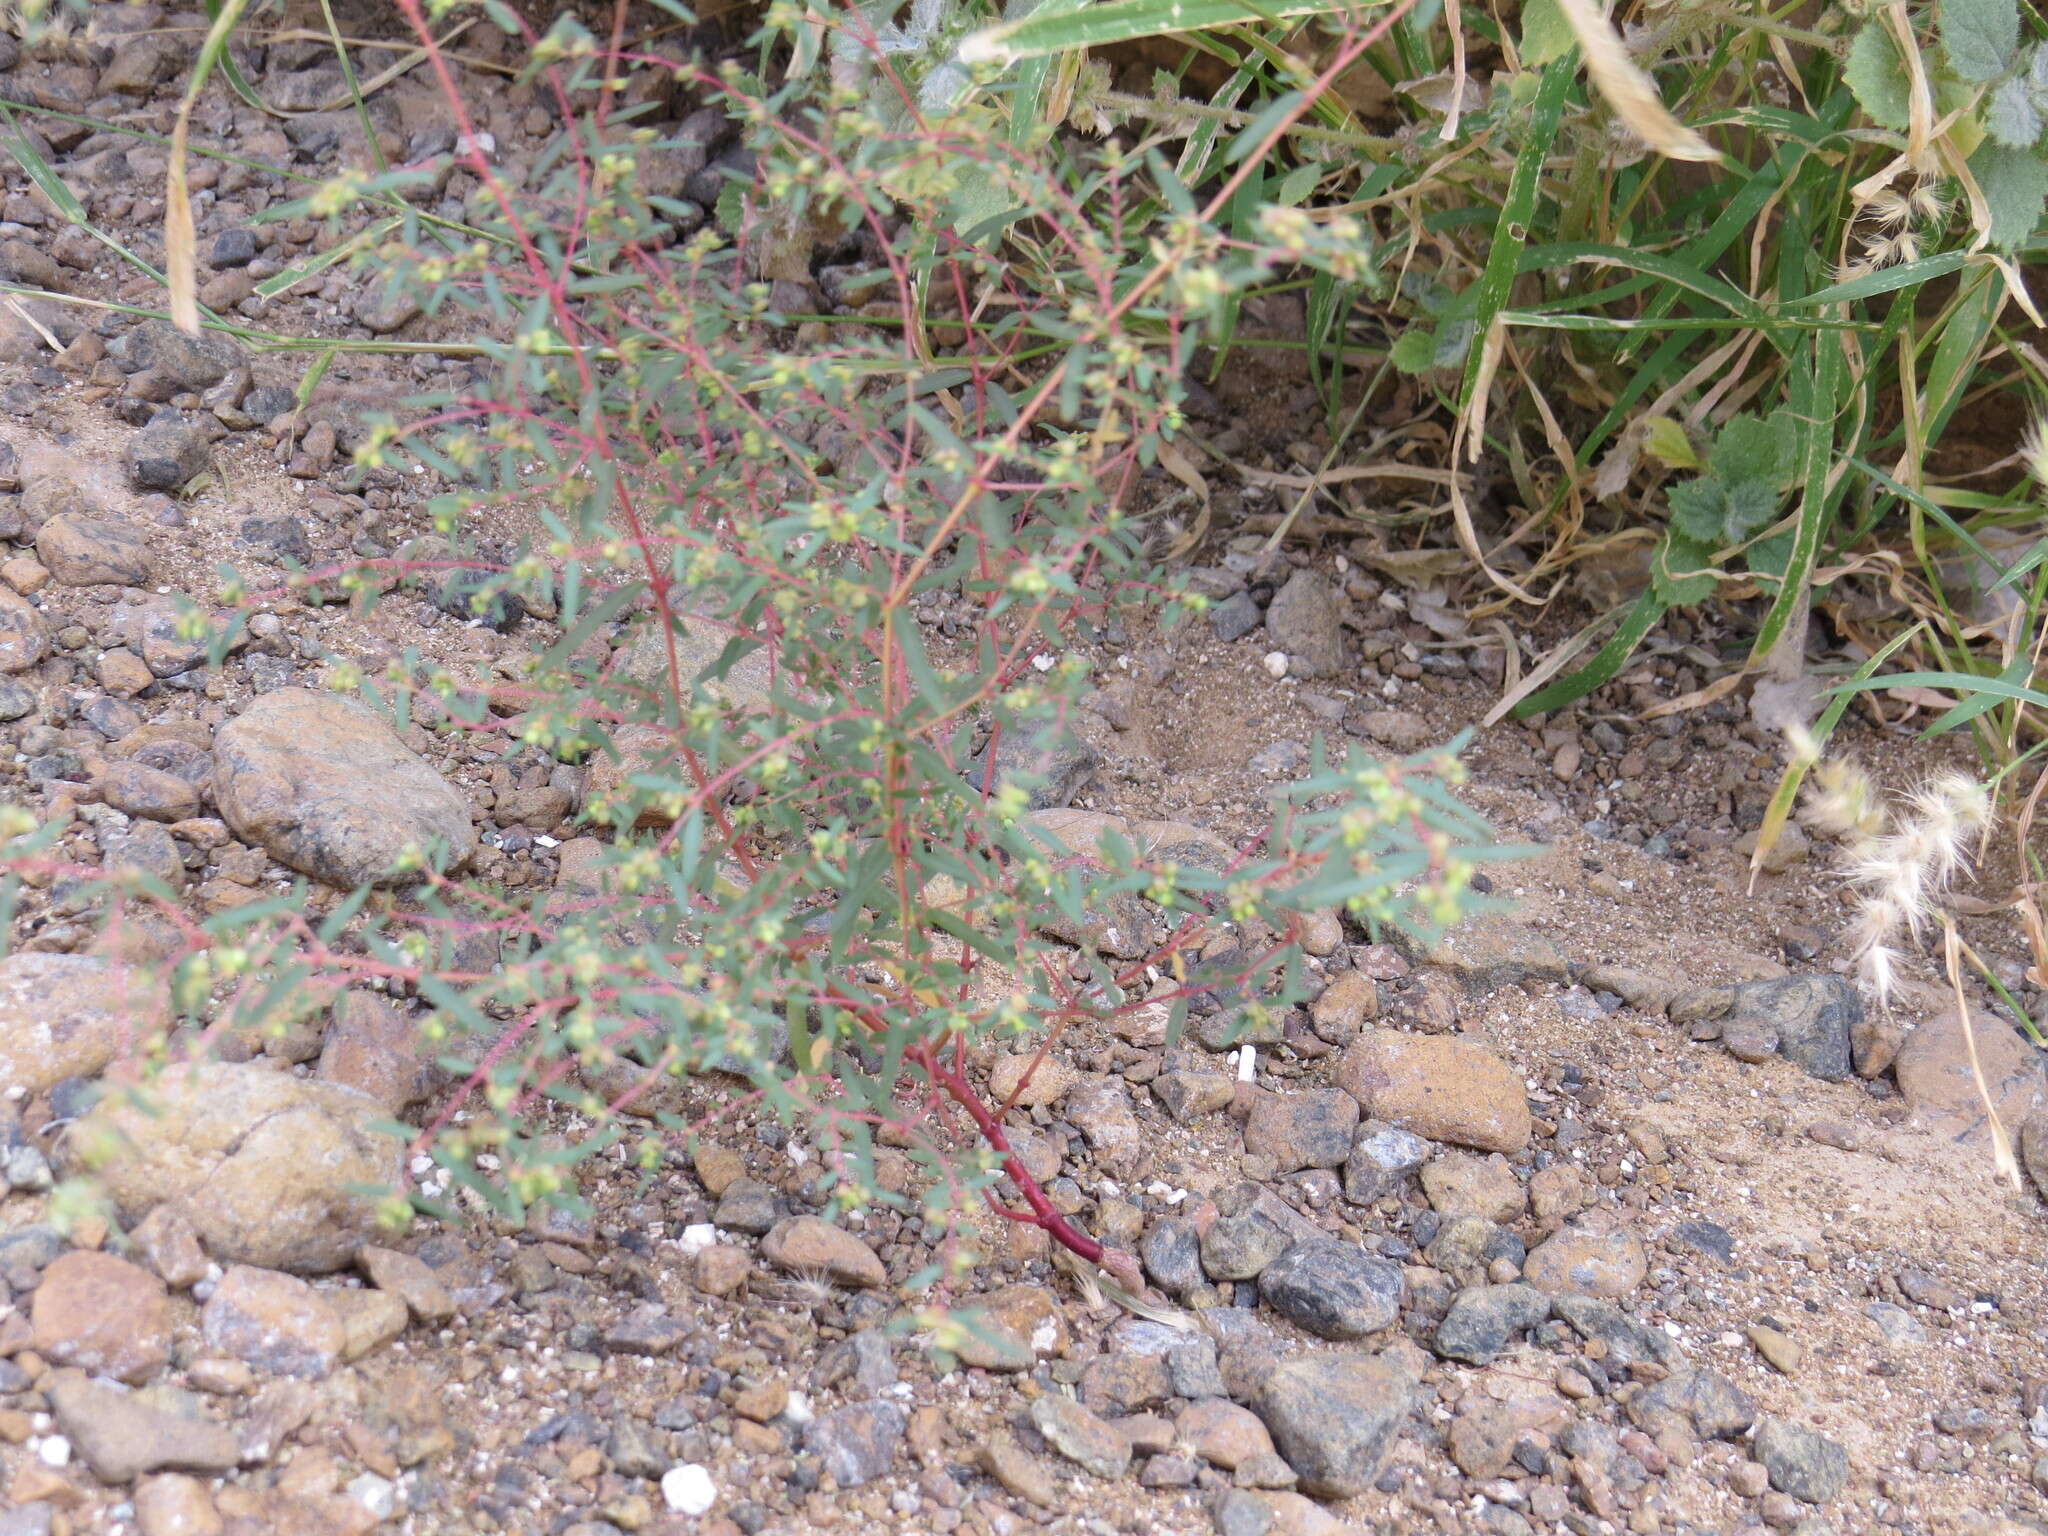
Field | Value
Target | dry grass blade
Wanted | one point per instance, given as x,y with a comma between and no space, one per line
1455,23
1627,89
2002,1158
180,267
180,263
21,313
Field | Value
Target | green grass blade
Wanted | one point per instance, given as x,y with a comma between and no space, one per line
1027,97
230,71
1124,21
1511,230
1816,399
1606,662
1891,279
1961,682
1677,274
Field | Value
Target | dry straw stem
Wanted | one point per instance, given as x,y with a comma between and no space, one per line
1627,89
180,268
2002,1157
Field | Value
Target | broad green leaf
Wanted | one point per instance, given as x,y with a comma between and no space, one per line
2011,116
1682,573
1299,182
2015,185
1699,509
1546,35
1757,448
1752,504
1123,21
1877,75
1769,557
1981,36
1414,350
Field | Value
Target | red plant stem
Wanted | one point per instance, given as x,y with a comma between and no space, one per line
1043,1216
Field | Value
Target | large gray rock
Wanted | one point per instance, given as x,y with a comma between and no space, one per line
94,552
1708,1403
1049,764
187,362
1333,1417
1333,1289
269,1169
1485,1319
165,454
857,1443
326,787
644,661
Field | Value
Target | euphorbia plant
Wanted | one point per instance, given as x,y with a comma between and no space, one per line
853,563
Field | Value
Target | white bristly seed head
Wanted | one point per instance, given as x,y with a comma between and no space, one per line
1902,860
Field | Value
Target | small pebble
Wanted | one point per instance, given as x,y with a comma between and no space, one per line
688,1489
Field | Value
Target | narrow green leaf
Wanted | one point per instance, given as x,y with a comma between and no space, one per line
1123,21
1816,399
1906,275
1960,682
1606,663
1511,230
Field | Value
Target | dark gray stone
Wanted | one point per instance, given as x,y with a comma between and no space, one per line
1485,1319
1195,1371
1383,1159
1333,1289
747,1206
187,362
636,1448
1801,1461
1235,617
281,536
1705,1237
33,1247
165,454
1628,1341
1172,1257
1711,1405
1811,1015
1238,1512
233,248
1240,1247
1050,765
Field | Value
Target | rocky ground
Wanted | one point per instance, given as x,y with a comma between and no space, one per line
1617,1211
